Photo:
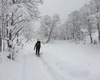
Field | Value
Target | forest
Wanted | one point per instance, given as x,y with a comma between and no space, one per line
15,24
53,49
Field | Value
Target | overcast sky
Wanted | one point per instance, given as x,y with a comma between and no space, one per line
62,7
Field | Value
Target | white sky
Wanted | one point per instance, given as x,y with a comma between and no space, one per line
62,7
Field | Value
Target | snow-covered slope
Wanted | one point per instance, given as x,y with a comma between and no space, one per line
60,60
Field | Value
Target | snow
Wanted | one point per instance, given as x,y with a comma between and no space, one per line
60,60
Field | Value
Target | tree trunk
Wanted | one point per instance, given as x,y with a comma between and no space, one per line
90,31
0,41
49,37
10,46
91,39
98,27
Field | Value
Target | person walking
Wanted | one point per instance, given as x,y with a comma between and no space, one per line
37,47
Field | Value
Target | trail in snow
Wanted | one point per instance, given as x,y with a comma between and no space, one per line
37,68
21,75
31,67
51,70
54,65
60,60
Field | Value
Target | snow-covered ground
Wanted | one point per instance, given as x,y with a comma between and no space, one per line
60,60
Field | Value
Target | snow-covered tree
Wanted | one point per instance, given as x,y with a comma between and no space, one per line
97,16
17,15
85,20
74,22
55,20
48,26
45,26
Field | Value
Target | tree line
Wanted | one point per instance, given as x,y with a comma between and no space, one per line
79,25
16,17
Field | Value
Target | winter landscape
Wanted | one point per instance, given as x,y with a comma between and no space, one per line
67,35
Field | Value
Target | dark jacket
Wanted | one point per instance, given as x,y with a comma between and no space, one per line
37,45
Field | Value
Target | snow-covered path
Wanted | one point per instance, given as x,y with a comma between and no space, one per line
32,67
37,68
73,61
60,60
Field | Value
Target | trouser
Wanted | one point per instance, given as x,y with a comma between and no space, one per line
37,51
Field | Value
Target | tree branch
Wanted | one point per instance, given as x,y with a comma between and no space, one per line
18,22
17,18
17,33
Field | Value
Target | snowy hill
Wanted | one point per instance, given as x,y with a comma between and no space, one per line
60,60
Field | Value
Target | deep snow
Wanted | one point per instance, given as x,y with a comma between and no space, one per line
60,60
